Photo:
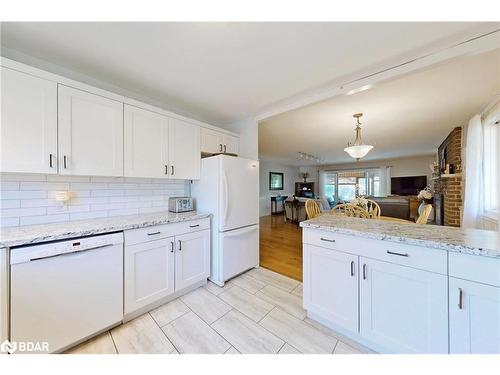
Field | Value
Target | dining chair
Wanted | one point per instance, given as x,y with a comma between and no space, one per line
373,209
312,209
424,216
346,209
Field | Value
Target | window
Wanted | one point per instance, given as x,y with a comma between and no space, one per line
343,186
491,166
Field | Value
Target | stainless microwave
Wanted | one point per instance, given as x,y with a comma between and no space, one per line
180,204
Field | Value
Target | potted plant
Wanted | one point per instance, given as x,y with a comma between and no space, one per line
425,196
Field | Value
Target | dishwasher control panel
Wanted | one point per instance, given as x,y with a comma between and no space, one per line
52,249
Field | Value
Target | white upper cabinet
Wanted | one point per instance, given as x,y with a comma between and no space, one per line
90,134
231,144
184,150
474,317
145,143
29,123
402,309
211,141
214,142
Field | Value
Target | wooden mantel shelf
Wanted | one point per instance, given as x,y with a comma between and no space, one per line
449,175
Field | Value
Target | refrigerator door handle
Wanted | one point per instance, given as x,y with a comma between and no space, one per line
226,200
239,232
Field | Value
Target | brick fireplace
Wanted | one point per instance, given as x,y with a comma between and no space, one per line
449,186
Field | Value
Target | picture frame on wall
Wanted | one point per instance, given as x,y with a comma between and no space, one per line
276,180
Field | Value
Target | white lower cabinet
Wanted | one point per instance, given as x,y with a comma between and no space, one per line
331,285
157,268
474,317
192,259
402,309
149,273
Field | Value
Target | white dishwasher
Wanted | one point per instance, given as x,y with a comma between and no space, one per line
63,292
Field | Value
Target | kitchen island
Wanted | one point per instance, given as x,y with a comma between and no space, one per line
403,287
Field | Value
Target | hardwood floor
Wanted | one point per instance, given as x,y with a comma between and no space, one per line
281,246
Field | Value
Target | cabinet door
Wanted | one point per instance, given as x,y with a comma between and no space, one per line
90,134
29,123
149,273
192,258
211,141
184,150
4,295
231,144
331,286
402,309
474,317
145,143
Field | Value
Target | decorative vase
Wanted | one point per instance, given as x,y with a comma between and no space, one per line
421,208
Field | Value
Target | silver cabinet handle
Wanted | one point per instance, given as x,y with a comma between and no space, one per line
65,162
153,233
220,147
50,161
326,239
172,170
460,298
364,271
398,254
172,246
224,148
166,169
352,268
180,245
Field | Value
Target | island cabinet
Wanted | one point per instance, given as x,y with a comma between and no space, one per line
391,297
474,290
162,262
403,309
323,270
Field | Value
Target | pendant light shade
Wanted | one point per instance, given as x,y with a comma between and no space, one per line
358,150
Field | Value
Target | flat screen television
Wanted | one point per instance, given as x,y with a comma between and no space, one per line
408,185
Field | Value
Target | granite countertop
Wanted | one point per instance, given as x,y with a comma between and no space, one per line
467,241
33,234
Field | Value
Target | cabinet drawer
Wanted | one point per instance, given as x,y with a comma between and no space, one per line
158,232
478,268
433,260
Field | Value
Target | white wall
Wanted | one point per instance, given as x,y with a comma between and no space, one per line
291,175
313,176
27,199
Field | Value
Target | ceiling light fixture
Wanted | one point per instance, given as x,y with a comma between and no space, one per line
357,150
309,157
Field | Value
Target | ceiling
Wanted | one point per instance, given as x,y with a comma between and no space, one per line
222,72
403,117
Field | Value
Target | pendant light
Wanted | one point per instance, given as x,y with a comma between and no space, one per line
357,150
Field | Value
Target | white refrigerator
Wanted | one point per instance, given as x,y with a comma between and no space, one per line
229,189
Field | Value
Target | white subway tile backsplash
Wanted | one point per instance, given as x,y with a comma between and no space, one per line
45,219
25,194
57,178
88,215
27,199
125,211
9,222
9,203
44,185
9,185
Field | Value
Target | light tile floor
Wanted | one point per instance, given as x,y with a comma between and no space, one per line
257,312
